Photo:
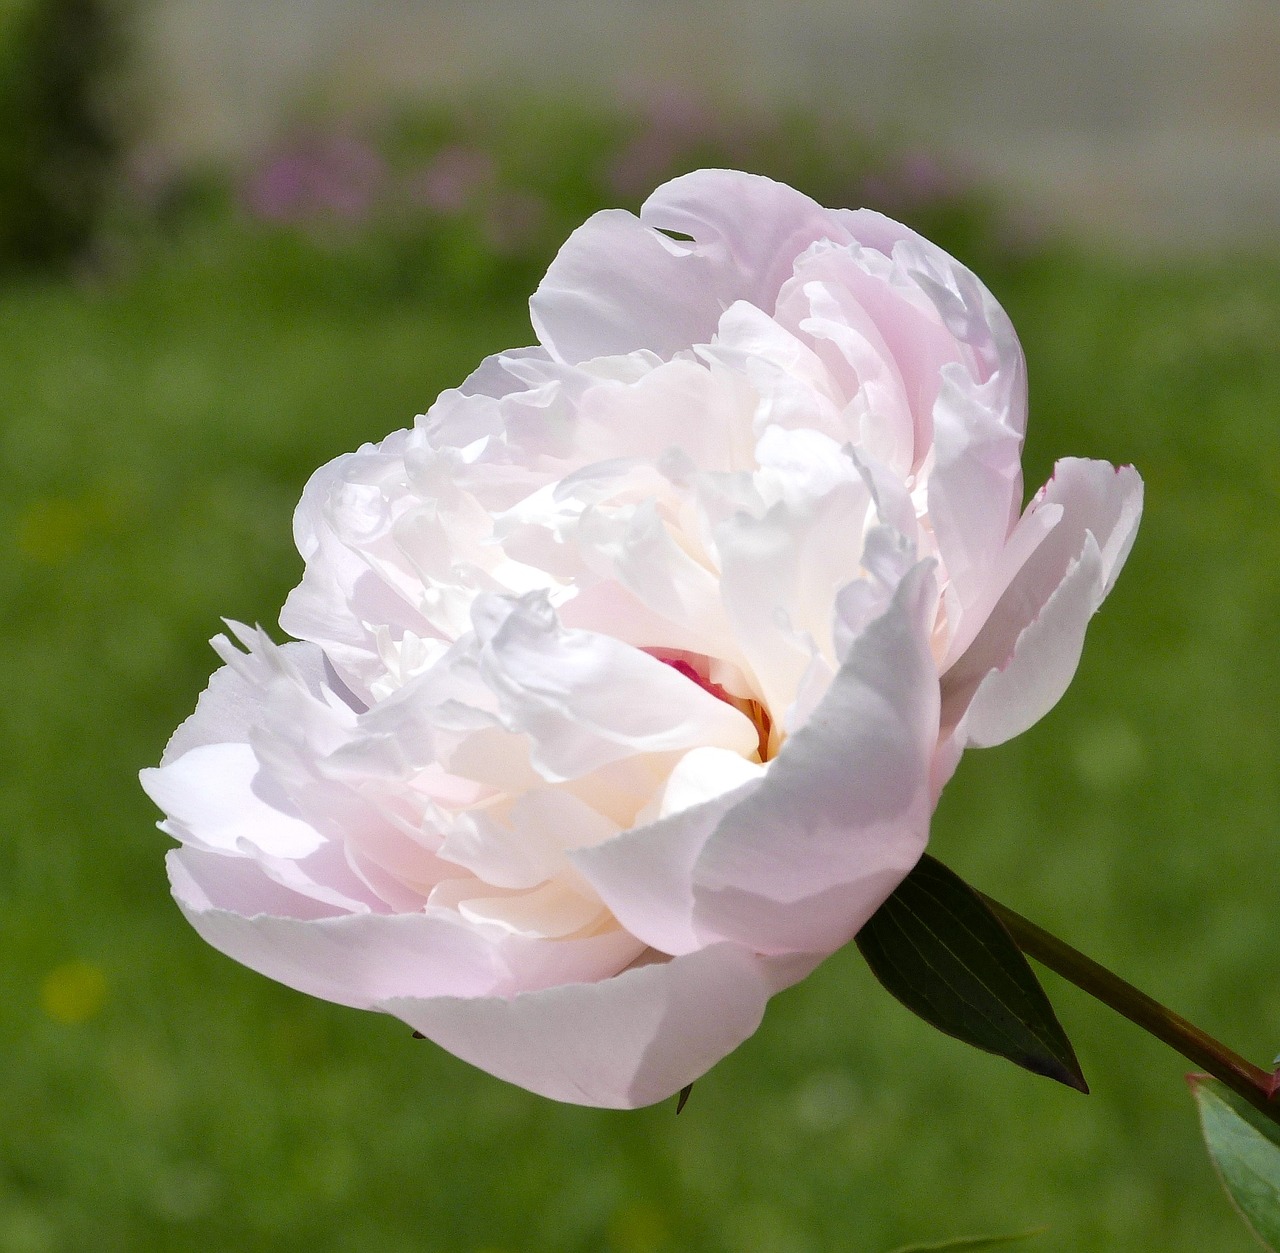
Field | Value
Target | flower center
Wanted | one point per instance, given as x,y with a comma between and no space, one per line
697,669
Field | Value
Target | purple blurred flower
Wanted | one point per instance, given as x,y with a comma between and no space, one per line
320,177
513,219
673,122
453,178
915,180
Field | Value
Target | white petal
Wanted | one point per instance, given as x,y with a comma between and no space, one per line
619,1043
1022,660
208,792
645,875
843,812
616,286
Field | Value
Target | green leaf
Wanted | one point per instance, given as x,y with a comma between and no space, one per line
972,1242
937,947
1245,1147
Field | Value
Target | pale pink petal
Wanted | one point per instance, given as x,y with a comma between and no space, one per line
677,404
1023,658
963,304
550,911
843,813
240,884
880,338
620,1043
751,227
361,959
499,375
528,847
974,495
645,875
780,575
793,388
617,286
1016,696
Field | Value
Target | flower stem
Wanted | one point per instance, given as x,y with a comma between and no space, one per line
1257,1086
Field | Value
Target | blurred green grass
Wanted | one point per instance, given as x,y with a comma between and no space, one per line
157,430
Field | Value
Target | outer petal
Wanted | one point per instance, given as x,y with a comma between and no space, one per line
617,286
843,813
1019,665
362,959
623,1042
975,489
751,228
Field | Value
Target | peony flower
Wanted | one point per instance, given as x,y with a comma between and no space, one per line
628,678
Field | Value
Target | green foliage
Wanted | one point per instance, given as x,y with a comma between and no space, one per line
478,199
57,151
1245,1146
972,1243
936,946
157,432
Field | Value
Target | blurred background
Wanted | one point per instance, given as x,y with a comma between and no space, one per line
238,239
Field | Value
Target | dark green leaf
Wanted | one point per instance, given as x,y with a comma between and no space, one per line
939,949
971,1242
1245,1146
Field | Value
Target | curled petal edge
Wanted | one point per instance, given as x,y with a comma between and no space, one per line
619,1043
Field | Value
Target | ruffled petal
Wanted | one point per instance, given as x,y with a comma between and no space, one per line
965,306
587,700
231,705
